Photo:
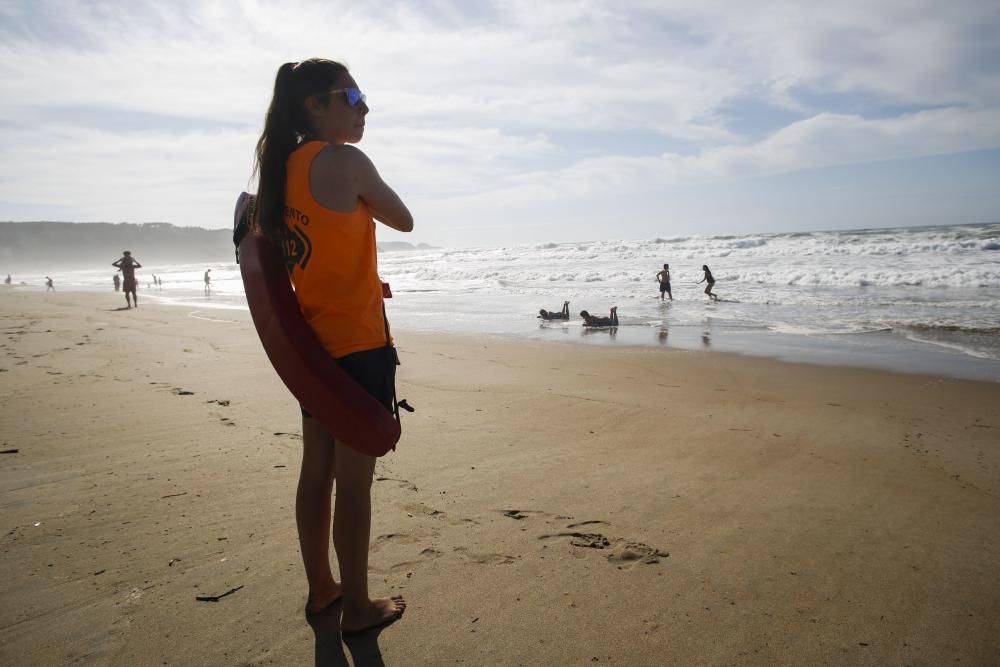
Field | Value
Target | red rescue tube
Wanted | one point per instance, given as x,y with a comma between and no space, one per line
329,394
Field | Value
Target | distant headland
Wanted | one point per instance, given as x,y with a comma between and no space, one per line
25,245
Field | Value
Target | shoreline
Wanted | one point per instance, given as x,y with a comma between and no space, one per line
717,508
880,350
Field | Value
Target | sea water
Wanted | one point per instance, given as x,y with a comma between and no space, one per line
920,299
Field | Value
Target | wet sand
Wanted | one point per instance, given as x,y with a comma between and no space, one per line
549,504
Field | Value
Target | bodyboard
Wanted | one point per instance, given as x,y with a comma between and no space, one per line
323,388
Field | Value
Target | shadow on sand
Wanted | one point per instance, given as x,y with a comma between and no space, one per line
329,644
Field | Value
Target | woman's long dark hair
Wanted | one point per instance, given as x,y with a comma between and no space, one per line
285,126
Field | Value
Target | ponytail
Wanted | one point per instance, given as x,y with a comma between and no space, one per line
285,126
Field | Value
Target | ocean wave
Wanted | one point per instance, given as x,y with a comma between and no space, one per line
951,328
965,348
631,269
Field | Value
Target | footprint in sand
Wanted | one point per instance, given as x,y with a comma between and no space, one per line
633,553
395,538
414,509
404,483
486,558
587,540
623,554
177,391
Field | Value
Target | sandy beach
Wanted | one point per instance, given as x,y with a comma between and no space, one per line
549,504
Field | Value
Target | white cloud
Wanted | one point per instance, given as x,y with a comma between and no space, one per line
466,99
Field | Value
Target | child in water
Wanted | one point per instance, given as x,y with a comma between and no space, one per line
663,277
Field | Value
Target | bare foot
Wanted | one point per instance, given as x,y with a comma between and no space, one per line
372,614
319,601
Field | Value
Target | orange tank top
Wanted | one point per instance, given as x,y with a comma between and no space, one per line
332,262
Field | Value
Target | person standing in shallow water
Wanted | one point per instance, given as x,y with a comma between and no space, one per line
116,279
308,169
663,277
208,282
710,282
128,265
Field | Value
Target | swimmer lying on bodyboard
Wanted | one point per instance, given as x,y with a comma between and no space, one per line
597,321
553,315
329,394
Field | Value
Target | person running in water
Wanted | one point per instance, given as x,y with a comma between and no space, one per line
707,278
663,277
128,265
595,321
552,315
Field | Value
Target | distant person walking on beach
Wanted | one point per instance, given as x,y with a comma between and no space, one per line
307,168
595,321
128,265
49,287
707,278
7,281
663,277
159,283
208,282
116,279
552,315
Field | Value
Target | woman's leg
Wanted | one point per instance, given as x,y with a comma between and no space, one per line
352,520
312,513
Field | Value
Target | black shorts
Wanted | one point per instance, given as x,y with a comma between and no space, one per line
375,371
664,287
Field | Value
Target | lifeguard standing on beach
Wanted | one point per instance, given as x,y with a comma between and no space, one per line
318,197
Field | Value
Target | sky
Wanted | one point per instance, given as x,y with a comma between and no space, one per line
520,121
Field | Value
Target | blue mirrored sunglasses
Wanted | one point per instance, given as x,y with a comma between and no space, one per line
354,96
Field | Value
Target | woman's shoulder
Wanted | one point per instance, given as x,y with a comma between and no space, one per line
343,153
343,159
